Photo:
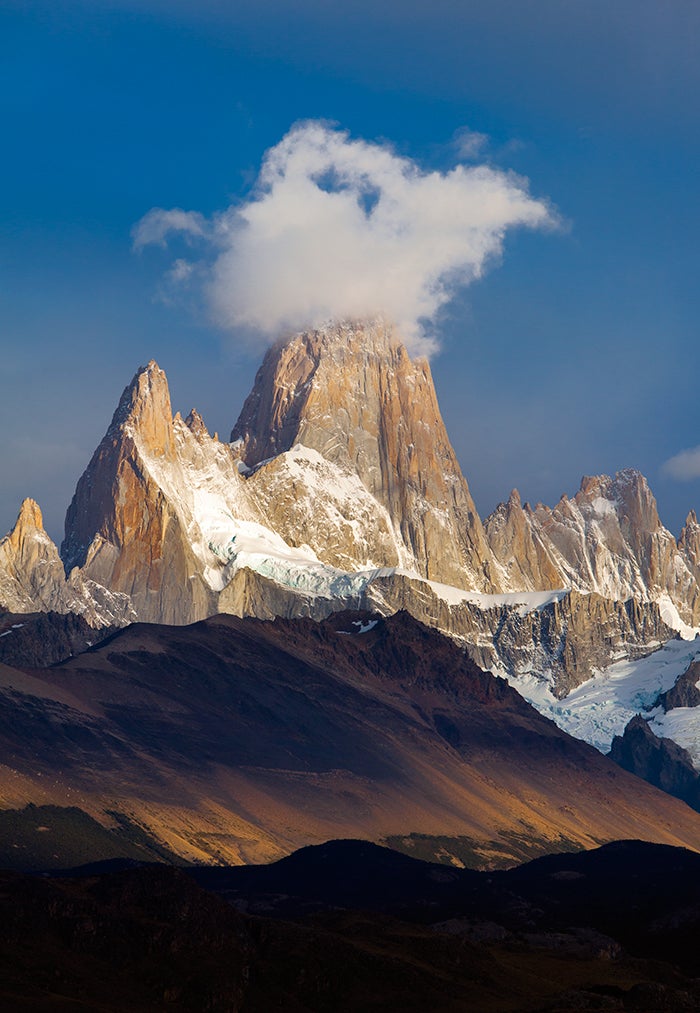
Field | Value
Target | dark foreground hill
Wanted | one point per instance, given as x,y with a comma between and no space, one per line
239,740
349,927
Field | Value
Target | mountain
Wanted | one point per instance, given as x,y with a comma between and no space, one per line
340,490
135,520
608,539
166,514
239,740
339,467
32,578
352,393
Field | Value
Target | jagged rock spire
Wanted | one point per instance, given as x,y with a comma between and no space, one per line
29,523
144,408
351,392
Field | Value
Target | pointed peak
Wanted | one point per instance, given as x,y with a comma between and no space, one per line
514,498
29,516
144,406
29,526
343,363
692,519
195,423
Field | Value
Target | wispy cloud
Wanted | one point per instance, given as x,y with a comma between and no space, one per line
684,466
343,228
156,226
469,143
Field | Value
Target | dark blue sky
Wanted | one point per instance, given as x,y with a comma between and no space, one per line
576,355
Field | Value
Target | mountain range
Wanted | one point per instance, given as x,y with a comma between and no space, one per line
337,508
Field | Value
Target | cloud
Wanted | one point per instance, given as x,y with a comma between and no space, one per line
469,143
684,466
156,226
344,228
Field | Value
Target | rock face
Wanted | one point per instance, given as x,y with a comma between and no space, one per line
659,761
312,502
607,539
31,572
559,637
164,514
133,522
352,393
685,692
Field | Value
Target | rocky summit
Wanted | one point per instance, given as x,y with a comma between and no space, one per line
353,394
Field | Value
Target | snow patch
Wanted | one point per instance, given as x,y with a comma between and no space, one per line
603,507
601,708
524,601
682,724
669,614
365,627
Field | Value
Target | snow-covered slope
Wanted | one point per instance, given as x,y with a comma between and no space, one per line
601,707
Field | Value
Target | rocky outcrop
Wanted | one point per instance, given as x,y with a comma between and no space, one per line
251,594
32,578
31,572
660,761
520,549
689,544
352,393
312,502
685,692
607,539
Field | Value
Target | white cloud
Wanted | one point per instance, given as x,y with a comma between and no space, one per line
684,466
469,143
155,226
181,271
343,228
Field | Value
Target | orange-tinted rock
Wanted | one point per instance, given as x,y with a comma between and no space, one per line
120,527
352,393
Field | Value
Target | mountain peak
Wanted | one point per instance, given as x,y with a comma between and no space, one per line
351,392
627,494
144,409
29,515
330,364
29,524
196,425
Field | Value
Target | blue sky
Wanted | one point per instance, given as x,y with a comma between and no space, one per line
575,354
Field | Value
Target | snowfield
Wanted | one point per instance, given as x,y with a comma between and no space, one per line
599,709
